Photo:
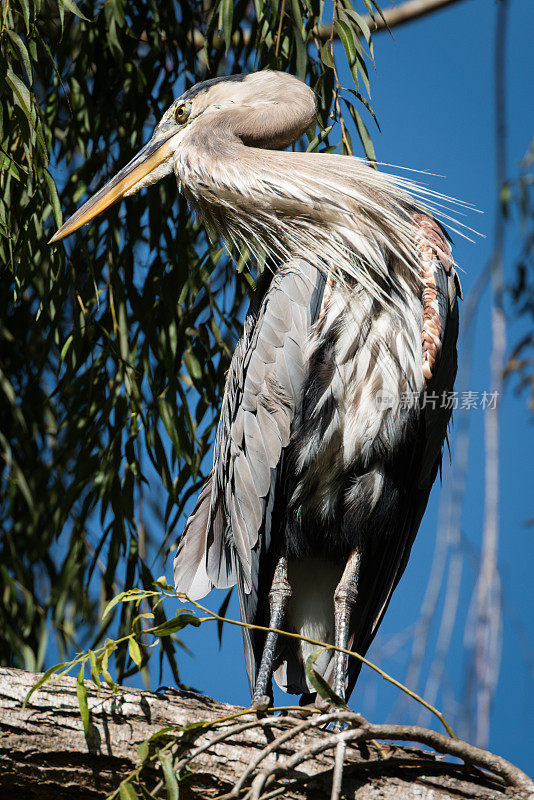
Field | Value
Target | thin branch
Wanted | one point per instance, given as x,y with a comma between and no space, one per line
337,776
364,731
394,17
407,12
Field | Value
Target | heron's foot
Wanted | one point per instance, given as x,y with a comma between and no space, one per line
261,703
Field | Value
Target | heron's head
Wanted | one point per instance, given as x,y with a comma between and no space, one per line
263,109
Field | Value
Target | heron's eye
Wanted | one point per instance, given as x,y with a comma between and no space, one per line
182,112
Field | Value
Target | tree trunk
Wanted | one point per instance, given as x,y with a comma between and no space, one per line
44,752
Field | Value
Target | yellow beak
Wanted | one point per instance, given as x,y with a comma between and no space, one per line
154,153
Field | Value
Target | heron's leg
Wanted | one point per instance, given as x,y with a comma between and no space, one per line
278,598
344,598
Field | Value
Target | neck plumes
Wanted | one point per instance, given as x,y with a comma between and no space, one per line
334,209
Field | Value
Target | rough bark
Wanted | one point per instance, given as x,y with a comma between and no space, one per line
45,754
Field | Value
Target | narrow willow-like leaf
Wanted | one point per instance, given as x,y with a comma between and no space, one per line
321,686
316,141
81,694
54,198
71,6
326,55
22,94
348,40
127,792
135,652
176,624
94,668
225,21
193,365
125,597
42,680
22,51
66,346
143,751
363,134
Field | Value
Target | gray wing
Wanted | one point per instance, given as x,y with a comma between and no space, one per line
229,530
423,461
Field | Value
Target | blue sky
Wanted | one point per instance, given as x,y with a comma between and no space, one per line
433,95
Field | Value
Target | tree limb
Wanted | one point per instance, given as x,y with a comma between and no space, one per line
44,752
393,17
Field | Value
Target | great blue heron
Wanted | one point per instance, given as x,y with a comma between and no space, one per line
326,449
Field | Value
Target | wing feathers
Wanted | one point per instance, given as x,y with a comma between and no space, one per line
261,397
190,575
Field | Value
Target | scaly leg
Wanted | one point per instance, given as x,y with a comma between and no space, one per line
344,598
278,598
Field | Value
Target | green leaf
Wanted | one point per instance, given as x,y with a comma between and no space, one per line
348,40
192,364
143,751
321,686
54,198
81,693
362,24
170,778
176,624
25,5
20,47
125,597
112,603
71,6
162,733
316,141
22,94
65,347
162,583
135,652
42,680
109,680
353,50
302,52
94,669
226,16
127,792
326,55
364,135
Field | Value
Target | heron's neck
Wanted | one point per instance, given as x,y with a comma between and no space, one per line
290,204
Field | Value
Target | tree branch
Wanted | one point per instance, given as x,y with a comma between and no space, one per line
44,751
408,11
393,17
